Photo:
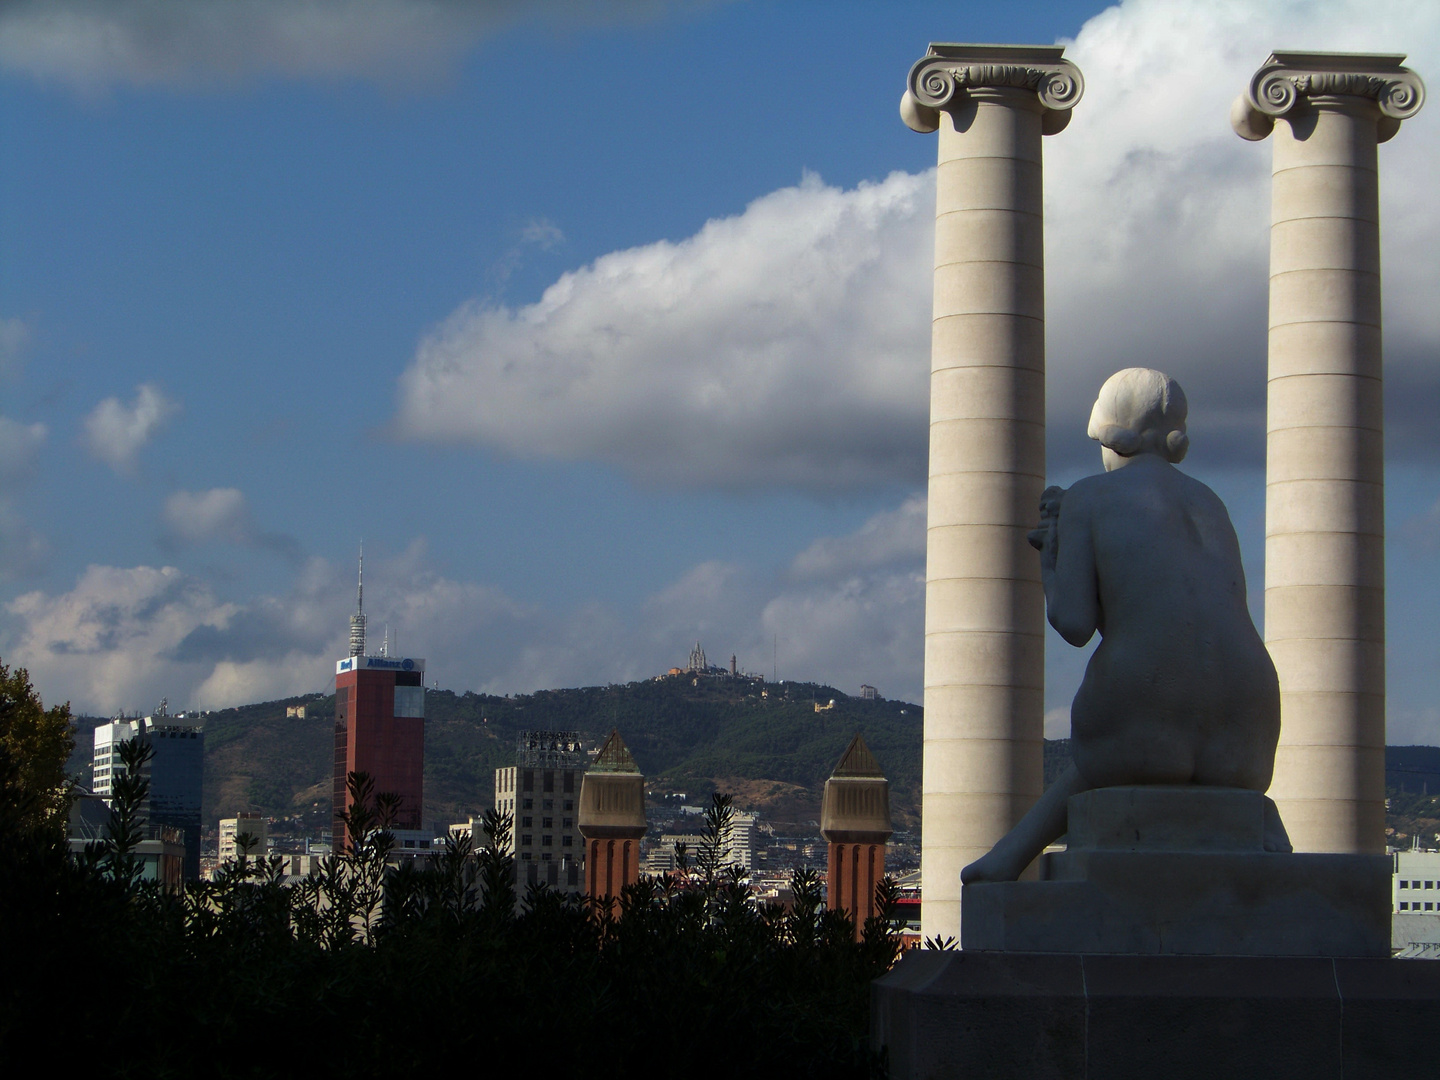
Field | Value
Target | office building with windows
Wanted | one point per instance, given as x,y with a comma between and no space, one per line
379,727
380,730
541,793
176,772
253,825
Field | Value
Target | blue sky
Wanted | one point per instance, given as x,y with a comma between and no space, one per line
604,326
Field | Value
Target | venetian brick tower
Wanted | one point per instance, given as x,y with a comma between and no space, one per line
612,821
855,821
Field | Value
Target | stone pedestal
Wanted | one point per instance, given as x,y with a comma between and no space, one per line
984,608
1183,871
1000,1016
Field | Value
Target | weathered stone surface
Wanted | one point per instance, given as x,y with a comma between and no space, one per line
1167,818
1182,870
964,1014
1187,903
984,632
1325,482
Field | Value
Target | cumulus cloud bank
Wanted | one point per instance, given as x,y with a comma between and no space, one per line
219,515
125,637
116,432
787,346
144,42
779,347
22,549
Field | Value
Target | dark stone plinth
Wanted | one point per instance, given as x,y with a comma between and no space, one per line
1198,903
997,1015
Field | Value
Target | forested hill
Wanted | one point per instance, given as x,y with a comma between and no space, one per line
764,742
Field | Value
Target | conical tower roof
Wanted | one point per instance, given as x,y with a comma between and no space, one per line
858,761
614,757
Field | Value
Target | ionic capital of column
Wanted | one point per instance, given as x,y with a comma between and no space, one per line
947,74
1291,80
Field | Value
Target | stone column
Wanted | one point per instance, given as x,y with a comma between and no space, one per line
1325,470
984,608
612,822
855,822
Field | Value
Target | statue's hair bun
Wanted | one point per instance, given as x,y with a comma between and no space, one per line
1176,444
1140,409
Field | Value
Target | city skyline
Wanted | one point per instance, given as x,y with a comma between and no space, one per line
634,306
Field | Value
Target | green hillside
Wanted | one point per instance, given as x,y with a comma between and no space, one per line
764,742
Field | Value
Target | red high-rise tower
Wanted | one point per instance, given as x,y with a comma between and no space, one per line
379,728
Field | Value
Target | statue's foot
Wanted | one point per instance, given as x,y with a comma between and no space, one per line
1004,862
1275,837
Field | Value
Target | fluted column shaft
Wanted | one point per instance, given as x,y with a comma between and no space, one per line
1325,468
984,606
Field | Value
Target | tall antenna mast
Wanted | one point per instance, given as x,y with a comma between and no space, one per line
357,621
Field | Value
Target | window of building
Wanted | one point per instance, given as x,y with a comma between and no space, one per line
1429,884
1404,906
526,823
525,856
569,804
569,823
546,840
549,777
549,804
526,840
547,823
1428,907
545,856
528,780
569,782
527,804
1404,884
567,841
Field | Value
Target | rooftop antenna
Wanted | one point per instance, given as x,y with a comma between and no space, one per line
357,621
385,645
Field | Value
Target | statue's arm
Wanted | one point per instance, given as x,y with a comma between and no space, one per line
1067,572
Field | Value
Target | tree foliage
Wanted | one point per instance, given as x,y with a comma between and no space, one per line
34,745
370,968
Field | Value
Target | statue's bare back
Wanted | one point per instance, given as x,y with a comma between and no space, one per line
1181,689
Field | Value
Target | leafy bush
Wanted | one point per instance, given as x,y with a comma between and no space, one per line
371,969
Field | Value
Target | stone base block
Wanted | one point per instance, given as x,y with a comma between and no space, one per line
1187,903
973,1014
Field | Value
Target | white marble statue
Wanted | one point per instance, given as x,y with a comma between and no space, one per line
1180,689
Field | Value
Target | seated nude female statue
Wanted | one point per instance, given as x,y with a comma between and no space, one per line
1180,689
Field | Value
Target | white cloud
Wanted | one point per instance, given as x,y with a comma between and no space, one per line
14,334
219,515
894,536
1157,214
116,433
199,42
543,233
125,637
194,517
19,450
782,346
788,345
22,549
